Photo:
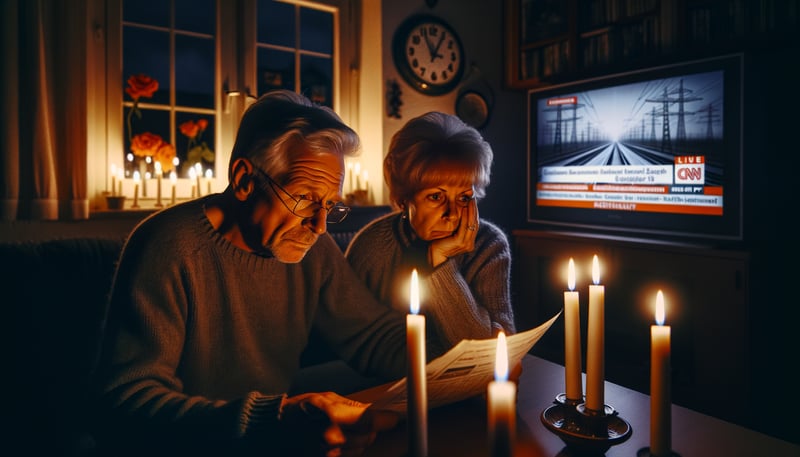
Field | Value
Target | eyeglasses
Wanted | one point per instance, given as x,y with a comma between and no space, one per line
305,207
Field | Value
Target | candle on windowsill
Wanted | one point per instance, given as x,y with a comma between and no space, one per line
192,178
502,410
595,370
357,172
198,173
572,338
660,398
136,179
416,381
209,175
159,176
113,180
174,180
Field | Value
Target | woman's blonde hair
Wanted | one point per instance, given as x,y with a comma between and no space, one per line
436,148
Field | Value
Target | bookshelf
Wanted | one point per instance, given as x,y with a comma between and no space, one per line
548,41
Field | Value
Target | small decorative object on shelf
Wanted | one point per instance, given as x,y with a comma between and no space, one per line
115,202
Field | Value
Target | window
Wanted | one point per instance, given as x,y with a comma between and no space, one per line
210,58
171,44
295,48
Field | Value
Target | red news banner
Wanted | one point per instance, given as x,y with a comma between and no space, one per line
677,188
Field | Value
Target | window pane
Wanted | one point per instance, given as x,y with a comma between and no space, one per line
276,23
275,70
146,52
194,71
195,144
196,16
150,12
316,79
316,31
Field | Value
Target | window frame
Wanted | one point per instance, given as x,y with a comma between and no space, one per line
235,80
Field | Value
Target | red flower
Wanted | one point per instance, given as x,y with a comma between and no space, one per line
164,155
141,86
146,144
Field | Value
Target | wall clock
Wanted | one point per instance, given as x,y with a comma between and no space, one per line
428,54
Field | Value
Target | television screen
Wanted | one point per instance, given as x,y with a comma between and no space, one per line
655,151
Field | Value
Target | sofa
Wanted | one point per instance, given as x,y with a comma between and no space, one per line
55,294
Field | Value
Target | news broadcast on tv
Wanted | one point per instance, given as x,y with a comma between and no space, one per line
649,146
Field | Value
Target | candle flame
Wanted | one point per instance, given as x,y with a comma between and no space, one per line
209,174
136,176
571,274
172,177
595,270
414,292
660,311
501,358
192,173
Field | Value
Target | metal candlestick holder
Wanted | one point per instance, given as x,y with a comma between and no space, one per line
585,431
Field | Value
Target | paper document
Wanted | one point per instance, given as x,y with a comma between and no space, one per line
463,372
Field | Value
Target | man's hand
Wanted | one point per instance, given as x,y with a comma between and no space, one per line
327,424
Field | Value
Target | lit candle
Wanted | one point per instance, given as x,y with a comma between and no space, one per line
174,180
350,178
198,173
119,183
144,173
660,402
357,172
366,187
136,179
594,353
572,338
192,178
416,382
502,412
159,175
209,175
113,179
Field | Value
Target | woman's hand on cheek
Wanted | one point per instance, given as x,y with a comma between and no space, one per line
460,242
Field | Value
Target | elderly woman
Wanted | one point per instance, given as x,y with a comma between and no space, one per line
437,169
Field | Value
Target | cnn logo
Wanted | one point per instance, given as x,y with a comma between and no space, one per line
690,173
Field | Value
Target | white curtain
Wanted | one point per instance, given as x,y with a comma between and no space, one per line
44,170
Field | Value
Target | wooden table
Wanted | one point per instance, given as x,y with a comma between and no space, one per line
460,429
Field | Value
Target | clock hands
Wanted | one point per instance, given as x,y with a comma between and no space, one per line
435,53
432,51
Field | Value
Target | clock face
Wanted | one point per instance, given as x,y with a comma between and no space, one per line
428,54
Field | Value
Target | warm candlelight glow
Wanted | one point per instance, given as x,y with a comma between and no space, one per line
416,379
595,351
414,297
660,398
572,338
502,405
136,176
571,274
501,358
660,311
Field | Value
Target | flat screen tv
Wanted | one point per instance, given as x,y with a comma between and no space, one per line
656,151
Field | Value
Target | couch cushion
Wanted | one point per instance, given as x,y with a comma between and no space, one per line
57,292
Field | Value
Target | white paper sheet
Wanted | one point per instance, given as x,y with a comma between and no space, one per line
463,372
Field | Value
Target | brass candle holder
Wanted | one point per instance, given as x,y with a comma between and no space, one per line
585,431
